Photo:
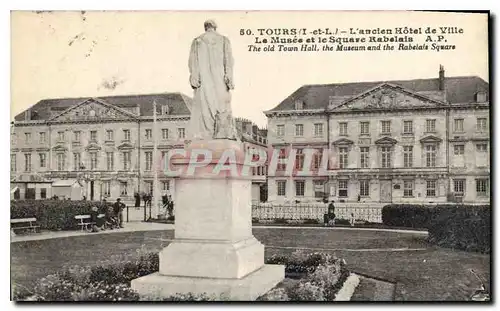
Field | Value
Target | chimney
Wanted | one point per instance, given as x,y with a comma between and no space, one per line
441,78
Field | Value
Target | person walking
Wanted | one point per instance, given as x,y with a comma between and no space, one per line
118,210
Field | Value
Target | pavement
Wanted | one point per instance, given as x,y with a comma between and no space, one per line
153,226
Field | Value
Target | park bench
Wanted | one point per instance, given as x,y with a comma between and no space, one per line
24,223
85,223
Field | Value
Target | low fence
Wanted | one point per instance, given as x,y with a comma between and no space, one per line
362,212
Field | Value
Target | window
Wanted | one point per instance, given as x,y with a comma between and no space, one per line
458,125
123,188
281,157
61,161
365,157
430,125
299,105
107,188
343,128
165,185
110,161
165,109
407,156
299,188
343,157
164,134
126,135
407,127
110,135
364,188
481,125
431,188
318,156
299,159
482,186
281,185
386,157
148,187
458,149
149,134
76,161
319,188
459,186
42,137
318,129
27,136
126,160
430,156
299,130
93,136
149,160
386,127
343,188
482,148
43,159
280,130
76,136
27,162
408,188
43,193
13,163
181,133
93,160
364,128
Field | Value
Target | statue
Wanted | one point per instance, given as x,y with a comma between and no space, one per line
211,77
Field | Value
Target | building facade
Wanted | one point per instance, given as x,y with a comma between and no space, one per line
104,143
413,141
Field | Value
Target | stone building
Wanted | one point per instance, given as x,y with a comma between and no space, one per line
418,141
105,143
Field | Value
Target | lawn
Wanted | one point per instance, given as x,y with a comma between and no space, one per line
429,274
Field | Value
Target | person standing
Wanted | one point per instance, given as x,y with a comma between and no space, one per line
331,213
118,210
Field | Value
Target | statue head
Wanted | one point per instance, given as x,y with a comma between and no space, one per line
210,24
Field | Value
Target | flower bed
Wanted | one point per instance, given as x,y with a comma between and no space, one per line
316,277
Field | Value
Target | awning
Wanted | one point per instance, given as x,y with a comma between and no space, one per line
13,189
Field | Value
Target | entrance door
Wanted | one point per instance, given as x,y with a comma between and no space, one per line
386,191
91,190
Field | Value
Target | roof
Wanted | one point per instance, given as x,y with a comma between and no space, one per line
317,96
64,183
179,104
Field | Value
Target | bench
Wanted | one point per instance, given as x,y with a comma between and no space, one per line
24,223
85,223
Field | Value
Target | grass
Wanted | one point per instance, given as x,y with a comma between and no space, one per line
431,274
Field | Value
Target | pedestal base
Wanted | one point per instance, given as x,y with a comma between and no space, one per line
247,288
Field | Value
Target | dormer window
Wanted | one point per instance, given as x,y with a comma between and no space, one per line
481,97
299,105
165,109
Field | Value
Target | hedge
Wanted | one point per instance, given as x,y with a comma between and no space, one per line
54,214
462,227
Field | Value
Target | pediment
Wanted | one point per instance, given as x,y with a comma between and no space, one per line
386,141
388,97
125,146
59,148
343,141
93,146
430,139
93,110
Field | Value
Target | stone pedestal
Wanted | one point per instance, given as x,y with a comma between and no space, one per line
214,251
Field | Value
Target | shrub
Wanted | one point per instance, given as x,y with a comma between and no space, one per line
342,221
54,214
407,215
462,227
280,221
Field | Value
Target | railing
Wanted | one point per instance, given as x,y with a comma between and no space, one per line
358,211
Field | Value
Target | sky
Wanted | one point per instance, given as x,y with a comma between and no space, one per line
74,54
